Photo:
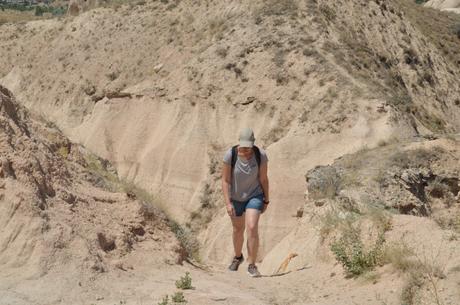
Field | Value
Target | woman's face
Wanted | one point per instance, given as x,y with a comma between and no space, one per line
245,152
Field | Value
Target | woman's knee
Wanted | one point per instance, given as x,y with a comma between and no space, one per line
252,229
238,229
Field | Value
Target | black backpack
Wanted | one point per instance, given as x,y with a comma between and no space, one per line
235,155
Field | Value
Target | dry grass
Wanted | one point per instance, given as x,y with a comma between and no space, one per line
421,270
439,27
277,8
14,16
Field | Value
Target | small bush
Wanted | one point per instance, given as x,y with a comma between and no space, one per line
323,182
349,250
178,297
185,282
334,219
165,301
63,151
187,239
400,256
409,291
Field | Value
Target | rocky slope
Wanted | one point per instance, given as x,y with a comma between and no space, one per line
59,223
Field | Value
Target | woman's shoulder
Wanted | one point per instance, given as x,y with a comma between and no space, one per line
228,156
262,151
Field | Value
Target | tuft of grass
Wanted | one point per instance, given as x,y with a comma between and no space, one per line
409,291
164,301
63,151
400,255
187,240
333,220
178,297
421,272
276,8
185,282
416,158
380,218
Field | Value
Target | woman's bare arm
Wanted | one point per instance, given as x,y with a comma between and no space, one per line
226,183
263,178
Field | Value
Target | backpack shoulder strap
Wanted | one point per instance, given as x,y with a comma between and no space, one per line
234,156
257,154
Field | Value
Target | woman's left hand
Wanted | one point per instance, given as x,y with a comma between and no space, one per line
264,208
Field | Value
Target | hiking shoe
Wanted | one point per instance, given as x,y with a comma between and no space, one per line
252,271
236,263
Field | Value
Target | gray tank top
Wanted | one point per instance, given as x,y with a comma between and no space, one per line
245,179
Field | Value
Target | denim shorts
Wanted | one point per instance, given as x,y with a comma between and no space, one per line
256,202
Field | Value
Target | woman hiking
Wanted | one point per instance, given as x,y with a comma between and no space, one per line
245,188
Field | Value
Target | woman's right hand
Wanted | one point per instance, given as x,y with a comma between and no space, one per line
230,209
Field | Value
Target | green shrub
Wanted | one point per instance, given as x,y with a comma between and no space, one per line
185,282
64,151
349,250
178,297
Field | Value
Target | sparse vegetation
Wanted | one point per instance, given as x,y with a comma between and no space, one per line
276,8
328,12
350,251
420,272
187,239
185,282
63,151
323,182
332,220
400,255
409,291
178,297
164,301
108,177
416,158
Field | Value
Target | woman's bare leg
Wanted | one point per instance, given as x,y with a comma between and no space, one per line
252,224
238,223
